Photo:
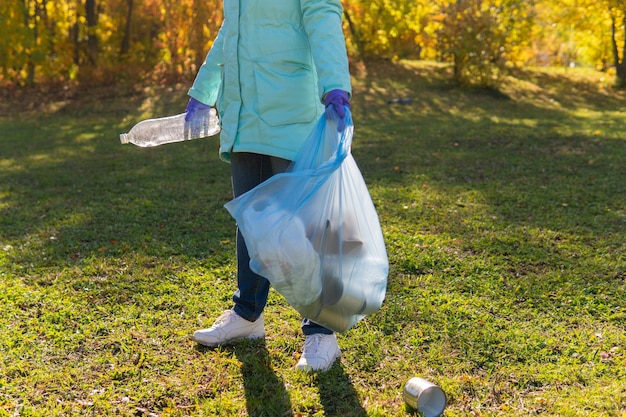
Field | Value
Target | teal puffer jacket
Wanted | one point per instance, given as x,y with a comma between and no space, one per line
268,69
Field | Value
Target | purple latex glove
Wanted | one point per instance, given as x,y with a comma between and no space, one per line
338,99
193,106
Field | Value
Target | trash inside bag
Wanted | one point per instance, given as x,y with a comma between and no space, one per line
314,233
285,254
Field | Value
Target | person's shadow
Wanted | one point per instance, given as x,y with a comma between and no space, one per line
337,393
266,394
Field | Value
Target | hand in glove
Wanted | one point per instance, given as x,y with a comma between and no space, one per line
338,99
193,107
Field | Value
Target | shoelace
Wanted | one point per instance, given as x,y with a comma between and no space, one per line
224,318
312,343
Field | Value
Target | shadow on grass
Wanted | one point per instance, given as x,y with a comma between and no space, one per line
337,393
531,162
71,190
265,391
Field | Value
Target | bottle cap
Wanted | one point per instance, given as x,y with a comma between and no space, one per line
124,138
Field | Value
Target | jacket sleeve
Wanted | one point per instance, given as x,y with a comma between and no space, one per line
322,23
209,77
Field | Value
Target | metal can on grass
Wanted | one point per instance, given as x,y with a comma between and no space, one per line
424,396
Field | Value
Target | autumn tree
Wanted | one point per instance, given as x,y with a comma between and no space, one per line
583,32
484,37
113,41
617,11
98,41
390,28
22,39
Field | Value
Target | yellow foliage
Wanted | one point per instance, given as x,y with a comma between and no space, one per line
48,42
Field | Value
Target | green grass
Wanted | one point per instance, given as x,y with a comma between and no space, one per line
504,216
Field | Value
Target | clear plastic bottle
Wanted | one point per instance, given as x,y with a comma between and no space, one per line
155,132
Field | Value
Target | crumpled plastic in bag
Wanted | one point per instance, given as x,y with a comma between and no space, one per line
285,255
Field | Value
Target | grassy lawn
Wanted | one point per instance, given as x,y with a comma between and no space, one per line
504,216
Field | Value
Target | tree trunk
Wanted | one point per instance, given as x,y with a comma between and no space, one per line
48,26
74,38
92,20
621,69
457,75
197,41
30,66
620,62
126,39
355,35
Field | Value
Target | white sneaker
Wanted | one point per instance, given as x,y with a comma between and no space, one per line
230,327
319,353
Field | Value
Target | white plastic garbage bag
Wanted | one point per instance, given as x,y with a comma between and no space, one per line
313,232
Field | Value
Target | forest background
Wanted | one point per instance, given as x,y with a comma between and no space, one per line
126,43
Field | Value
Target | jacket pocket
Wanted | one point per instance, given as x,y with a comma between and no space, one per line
285,93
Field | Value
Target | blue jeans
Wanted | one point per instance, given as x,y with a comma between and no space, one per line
249,170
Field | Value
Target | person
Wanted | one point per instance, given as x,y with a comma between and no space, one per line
272,70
